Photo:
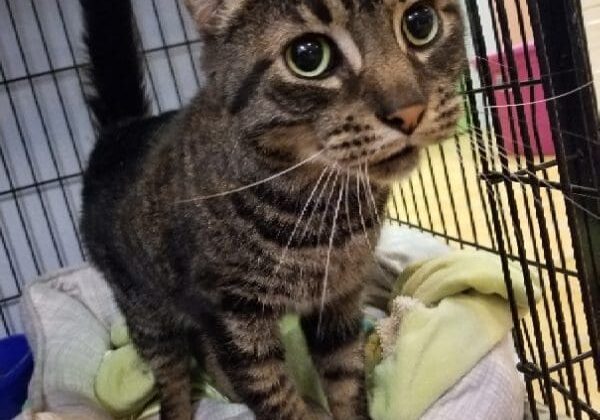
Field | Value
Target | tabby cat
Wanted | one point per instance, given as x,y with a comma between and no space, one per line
262,196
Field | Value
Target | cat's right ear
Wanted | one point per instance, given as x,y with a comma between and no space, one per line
212,16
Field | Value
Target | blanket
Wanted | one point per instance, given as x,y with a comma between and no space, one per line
447,331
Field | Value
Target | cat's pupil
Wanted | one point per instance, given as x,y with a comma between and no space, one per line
307,54
420,21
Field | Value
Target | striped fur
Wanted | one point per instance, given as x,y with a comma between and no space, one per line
207,275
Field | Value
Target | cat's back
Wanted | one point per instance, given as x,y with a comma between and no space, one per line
114,166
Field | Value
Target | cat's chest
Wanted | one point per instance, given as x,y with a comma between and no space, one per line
328,272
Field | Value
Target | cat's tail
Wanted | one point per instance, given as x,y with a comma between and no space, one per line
116,77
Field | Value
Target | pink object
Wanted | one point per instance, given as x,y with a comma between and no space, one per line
508,114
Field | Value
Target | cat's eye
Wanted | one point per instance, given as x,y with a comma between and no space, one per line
310,56
420,24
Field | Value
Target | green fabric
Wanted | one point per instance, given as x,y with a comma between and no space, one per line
119,334
461,315
124,384
298,361
460,272
458,312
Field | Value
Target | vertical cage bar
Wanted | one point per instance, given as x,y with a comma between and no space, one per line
425,198
449,187
167,52
20,212
521,130
32,172
465,186
187,43
4,321
550,198
436,193
485,73
562,49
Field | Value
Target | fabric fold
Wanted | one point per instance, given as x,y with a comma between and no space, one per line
451,312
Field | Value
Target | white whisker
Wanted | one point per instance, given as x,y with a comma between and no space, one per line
543,182
299,221
315,207
505,82
328,262
562,131
371,196
360,211
347,203
255,184
324,218
497,62
541,101
373,212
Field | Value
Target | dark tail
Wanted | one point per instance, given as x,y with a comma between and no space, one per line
116,75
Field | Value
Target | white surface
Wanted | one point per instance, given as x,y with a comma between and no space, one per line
493,390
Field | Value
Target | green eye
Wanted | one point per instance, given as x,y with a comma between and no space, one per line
420,24
310,56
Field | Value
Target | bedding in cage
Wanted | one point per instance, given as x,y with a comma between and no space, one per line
418,363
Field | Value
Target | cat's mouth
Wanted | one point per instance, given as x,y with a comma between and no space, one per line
403,153
396,165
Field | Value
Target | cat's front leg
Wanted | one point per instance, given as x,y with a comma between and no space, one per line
245,340
335,339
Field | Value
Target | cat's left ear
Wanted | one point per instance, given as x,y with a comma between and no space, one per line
212,16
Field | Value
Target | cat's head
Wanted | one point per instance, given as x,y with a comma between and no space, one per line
364,81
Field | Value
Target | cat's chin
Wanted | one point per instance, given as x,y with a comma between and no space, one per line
395,167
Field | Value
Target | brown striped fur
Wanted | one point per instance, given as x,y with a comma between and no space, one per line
209,277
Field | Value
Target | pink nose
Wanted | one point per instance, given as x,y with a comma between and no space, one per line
407,119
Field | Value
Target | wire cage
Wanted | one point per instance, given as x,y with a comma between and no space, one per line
520,178
46,132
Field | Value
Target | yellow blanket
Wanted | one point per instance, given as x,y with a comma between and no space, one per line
452,311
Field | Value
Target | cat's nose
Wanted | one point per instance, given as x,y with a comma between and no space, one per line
406,119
